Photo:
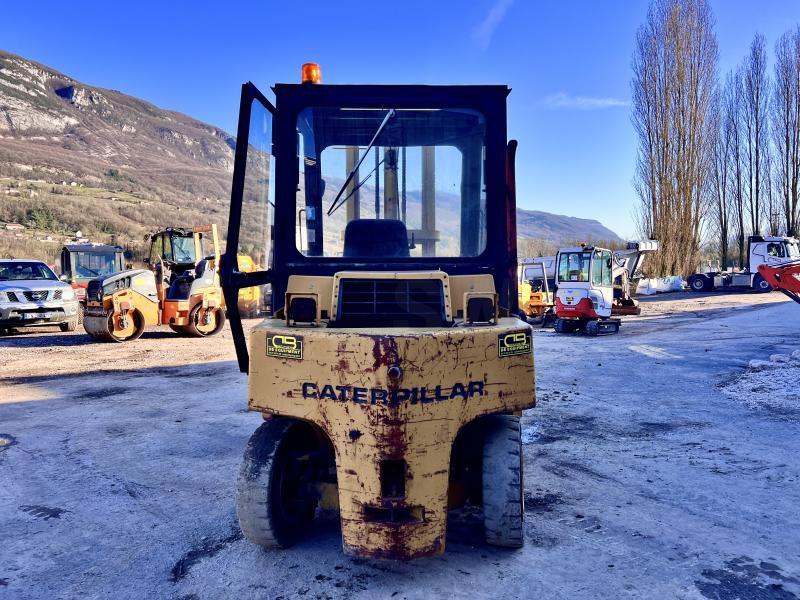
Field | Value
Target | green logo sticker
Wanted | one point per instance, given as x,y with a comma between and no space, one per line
513,344
285,346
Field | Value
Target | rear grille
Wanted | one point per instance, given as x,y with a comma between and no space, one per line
93,289
12,297
35,296
390,303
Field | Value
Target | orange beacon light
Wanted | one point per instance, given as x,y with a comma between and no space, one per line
311,73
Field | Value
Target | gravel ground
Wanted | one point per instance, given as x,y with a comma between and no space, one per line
652,470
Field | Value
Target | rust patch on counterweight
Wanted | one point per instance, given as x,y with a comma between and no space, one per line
384,351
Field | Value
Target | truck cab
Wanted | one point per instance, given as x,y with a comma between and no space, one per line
761,250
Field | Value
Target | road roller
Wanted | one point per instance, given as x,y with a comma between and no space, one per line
180,288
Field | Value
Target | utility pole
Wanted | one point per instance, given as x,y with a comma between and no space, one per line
391,204
353,202
403,186
428,201
377,185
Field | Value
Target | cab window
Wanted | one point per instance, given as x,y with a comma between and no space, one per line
776,249
183,248
608,278
574,266
417,175
156,249
598,264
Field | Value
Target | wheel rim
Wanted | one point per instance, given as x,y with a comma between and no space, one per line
290,478
122,333
698,285
212,322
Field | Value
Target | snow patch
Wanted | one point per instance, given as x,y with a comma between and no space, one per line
529,434
771,385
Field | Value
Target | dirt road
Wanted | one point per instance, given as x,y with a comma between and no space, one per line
645,476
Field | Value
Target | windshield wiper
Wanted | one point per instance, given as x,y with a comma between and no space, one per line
347,181
357,186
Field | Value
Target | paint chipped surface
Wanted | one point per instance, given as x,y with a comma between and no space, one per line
450,376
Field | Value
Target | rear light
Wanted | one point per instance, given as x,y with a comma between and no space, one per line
302,309
481,308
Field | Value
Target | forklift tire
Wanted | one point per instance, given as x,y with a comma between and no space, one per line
70,325
761,285
592,328
272,513
502,482
196,329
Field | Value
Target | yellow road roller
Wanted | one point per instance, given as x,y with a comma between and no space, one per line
180,288
393,370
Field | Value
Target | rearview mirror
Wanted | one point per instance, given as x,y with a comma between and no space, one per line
62,277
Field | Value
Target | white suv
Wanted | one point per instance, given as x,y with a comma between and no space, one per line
31,294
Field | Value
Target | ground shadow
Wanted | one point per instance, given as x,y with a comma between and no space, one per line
22,338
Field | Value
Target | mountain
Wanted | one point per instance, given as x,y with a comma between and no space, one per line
558,229
82,161
52,122
78,158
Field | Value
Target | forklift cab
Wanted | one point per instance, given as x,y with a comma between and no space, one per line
382,218
371,178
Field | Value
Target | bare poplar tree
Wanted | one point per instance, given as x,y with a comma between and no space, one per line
733,119
674,74
786,127
721,167
756,102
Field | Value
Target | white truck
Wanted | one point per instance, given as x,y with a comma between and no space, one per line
761,250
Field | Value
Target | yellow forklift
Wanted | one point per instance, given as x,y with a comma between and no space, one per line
180,289
394,369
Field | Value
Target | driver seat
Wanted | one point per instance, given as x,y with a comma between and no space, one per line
376,238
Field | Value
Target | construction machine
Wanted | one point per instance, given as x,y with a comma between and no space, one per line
250,298
626,273
783,277
585,295
393,372
761,250
80,263
180,289
594,285
535,296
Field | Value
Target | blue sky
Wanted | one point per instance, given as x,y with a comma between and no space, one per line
567,62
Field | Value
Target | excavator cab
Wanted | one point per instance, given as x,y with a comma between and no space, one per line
585,296
393,369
